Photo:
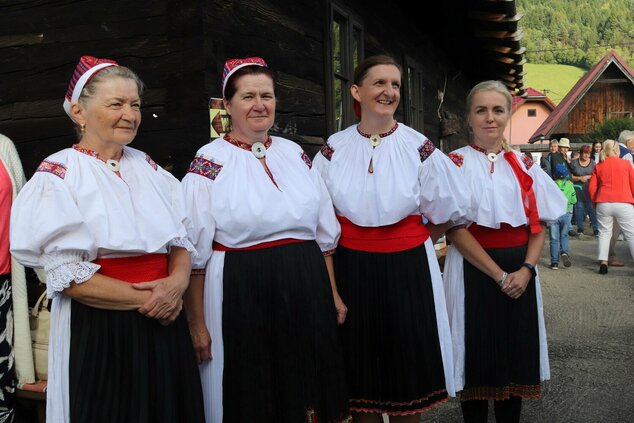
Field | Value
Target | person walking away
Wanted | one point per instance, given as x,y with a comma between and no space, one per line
612,190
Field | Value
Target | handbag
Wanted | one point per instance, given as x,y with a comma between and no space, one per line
40,321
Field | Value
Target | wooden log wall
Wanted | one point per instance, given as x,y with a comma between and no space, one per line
42,41
178,48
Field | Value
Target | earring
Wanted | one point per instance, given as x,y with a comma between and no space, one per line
82,128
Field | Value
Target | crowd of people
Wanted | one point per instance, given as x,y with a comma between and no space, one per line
266,286
602,178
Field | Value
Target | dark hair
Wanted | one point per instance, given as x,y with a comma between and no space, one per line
585,149
231,88
362,69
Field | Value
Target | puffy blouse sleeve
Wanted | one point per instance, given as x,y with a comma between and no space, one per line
320,163
178,208
48,231
328,228
551,202
198,193
444,196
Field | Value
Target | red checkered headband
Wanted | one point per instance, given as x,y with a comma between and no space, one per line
87,67
232,65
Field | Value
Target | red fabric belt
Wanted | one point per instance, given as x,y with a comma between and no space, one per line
506,236
147,267
400,236
219,247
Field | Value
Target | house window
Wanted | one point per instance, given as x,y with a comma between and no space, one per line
532,112
413,94
613,115
346,51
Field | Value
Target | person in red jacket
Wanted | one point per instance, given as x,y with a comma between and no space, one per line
612,192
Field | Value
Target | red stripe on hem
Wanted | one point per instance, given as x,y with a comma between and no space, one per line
399,413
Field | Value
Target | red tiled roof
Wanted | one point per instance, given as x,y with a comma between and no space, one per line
533,95
578,91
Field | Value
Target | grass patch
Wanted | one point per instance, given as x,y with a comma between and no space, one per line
556,80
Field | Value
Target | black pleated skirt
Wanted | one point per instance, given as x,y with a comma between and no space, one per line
390,337
282,355
125,367
501,334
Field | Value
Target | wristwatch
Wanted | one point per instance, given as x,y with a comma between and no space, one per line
530,267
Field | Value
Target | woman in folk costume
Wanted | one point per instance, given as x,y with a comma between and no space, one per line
260,302
492,286
383,177
107,225
16,356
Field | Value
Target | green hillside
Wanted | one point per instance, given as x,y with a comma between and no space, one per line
553,80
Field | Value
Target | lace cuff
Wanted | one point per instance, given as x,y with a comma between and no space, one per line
185,243
62,269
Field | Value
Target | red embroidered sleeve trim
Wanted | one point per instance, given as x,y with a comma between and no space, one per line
426,150
307,160
198,272
457,159
329,252
151,162
205,167
327,151
527,161
56,169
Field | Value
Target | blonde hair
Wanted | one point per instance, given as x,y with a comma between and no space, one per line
498,87
610,148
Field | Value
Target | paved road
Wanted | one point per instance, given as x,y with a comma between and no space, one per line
590,325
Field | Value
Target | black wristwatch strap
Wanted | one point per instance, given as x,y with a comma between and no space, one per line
530,267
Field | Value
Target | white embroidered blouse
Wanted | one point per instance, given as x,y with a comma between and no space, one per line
408,176
75,209
232,200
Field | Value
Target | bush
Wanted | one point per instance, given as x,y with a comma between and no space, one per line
610,129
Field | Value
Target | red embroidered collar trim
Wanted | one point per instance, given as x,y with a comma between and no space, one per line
243,145
383,135
482,150
89,152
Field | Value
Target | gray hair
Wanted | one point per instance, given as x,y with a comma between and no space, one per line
625,136
107,73
101,76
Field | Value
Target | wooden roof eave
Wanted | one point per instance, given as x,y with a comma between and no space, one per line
495,17
500,35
